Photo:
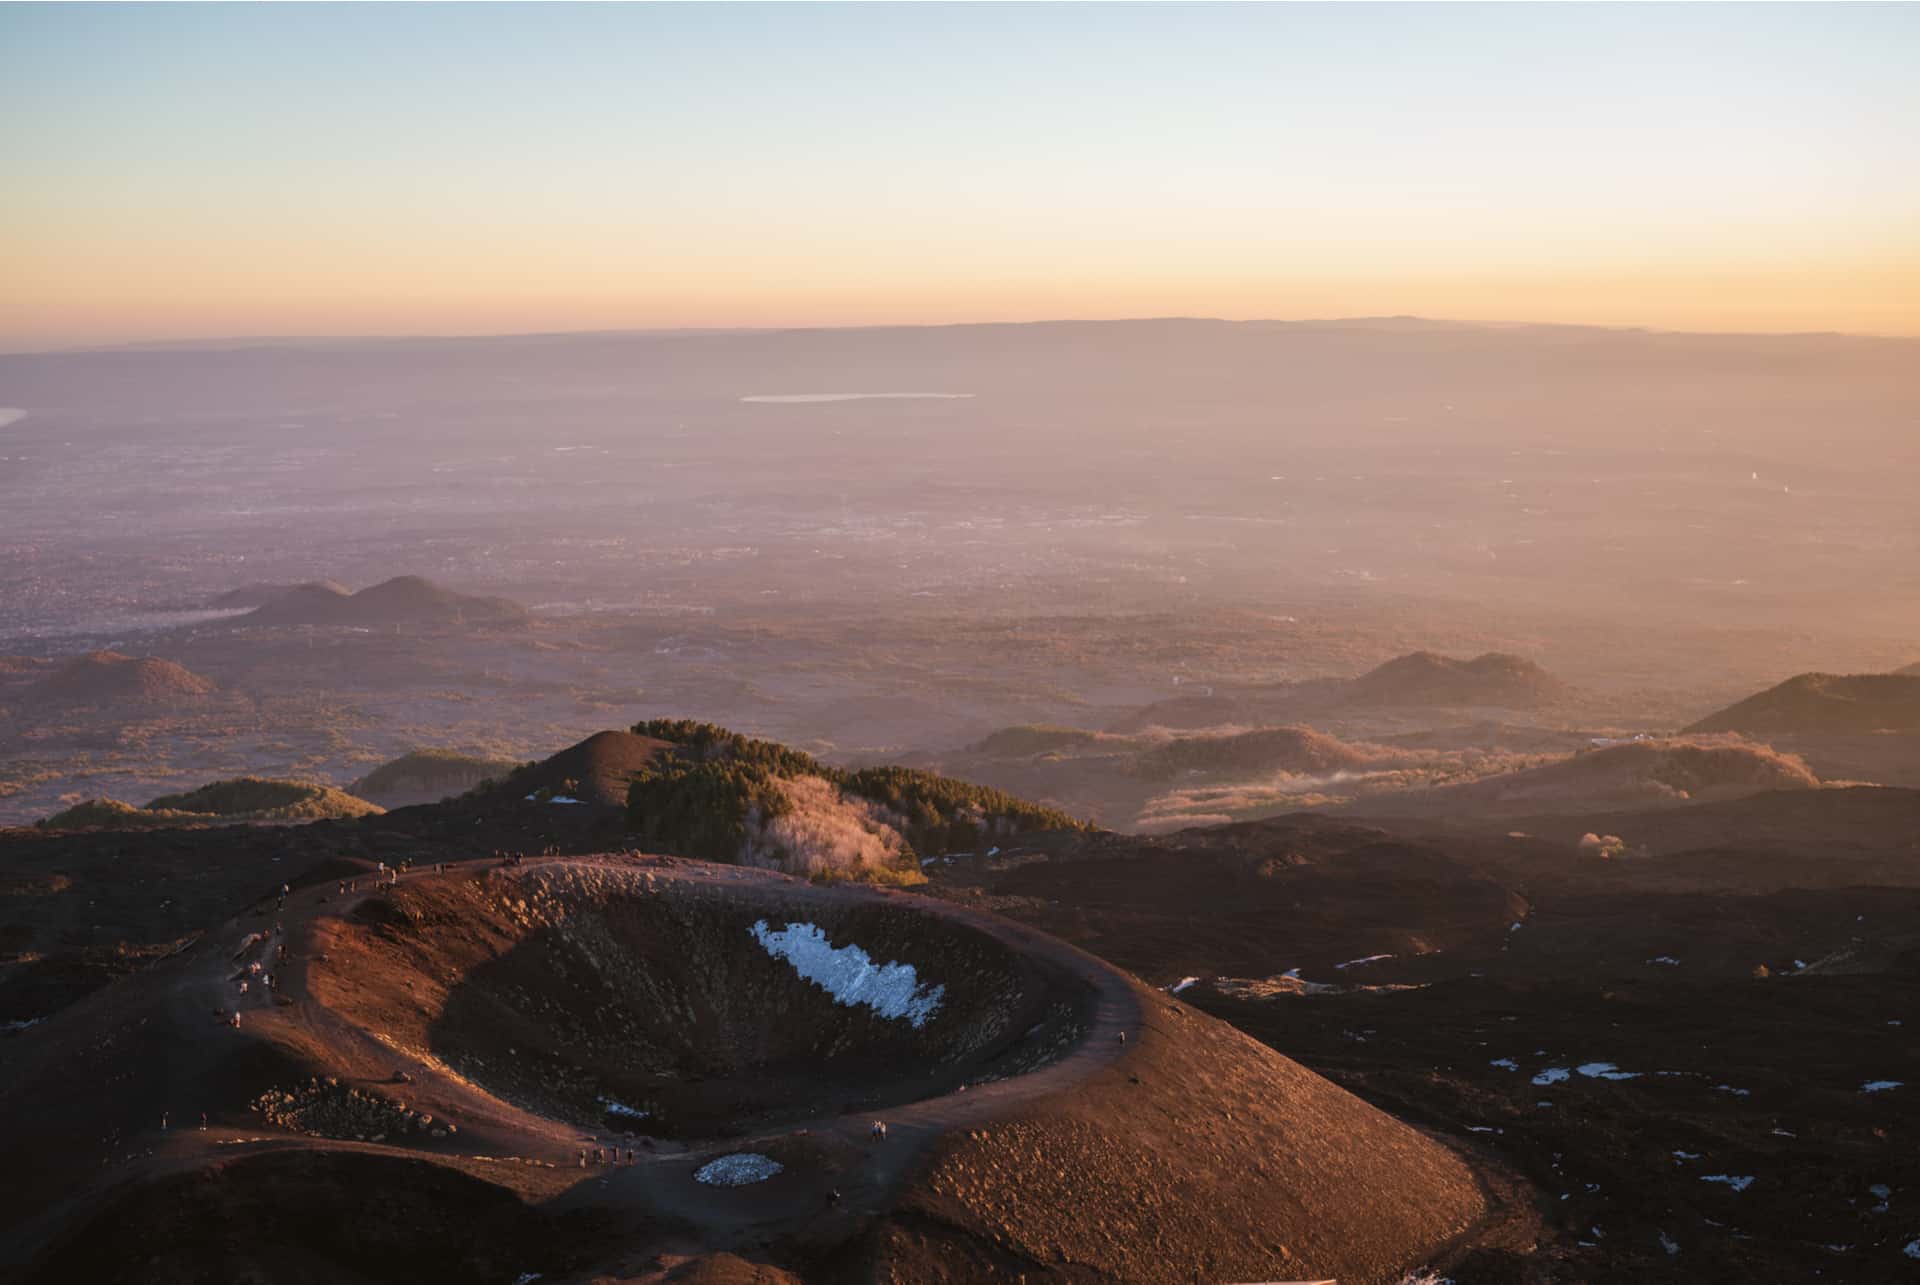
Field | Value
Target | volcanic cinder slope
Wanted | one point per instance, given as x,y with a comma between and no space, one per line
462,1039
1813,703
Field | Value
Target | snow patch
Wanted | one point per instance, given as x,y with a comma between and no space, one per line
738,1170
1505,1064
1668,960
849,974
1880,1086
1669,1244
622,1109
1739,1182
1605,1071
1552,1075
1369,959
1182,984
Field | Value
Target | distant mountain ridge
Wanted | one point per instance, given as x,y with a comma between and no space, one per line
1428,678
403,600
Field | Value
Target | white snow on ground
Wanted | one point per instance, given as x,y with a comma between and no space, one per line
1737,1182
1606,1071
1880,1086
1182,984
565,798
622,1109
1552,1075
1686,1155
738,1169
19,1024
849,974
1370,959
1669,1244
1913,1248
1505,1064
1728,1088
1668,960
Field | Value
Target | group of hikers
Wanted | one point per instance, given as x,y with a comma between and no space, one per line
608,1155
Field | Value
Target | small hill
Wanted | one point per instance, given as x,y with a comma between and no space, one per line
1271,749
260,798
240,799
1638,774
110,677
427,776
259,594
1428,678
1912,670
1027,739
1183,712
403,600
698,790
598,771
1815,703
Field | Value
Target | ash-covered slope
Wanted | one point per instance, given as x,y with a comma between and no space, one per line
1816,703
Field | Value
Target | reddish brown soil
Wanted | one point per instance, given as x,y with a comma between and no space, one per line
395,995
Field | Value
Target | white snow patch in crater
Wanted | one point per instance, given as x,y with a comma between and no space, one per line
1739,1182
738,1170
1369,959
1913,1248
1552,1075
1606,1071
1881,1086
1668,960
849,974
1505,1064
622,1109
1182,984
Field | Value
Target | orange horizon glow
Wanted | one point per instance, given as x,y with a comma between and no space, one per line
188,172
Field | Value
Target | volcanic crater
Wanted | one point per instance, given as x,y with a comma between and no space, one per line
602,996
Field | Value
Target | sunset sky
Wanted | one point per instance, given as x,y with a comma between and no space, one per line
185,171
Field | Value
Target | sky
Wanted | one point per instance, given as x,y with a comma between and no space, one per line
181,171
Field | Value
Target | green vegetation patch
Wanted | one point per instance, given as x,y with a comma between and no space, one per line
706,798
